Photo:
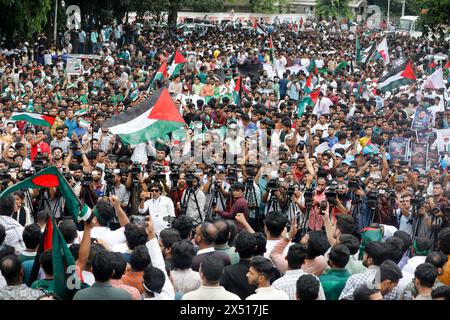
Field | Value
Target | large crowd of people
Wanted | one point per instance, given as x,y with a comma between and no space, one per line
321,210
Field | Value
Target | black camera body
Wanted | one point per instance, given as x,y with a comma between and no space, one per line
308,195
87,179
273,185
418,200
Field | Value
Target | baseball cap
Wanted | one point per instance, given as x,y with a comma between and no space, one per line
220,168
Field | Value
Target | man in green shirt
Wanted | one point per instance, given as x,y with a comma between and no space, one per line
334,280
197,86
103,269
48,283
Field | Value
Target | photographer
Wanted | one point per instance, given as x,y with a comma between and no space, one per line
195,204
404,214
240,204
217,181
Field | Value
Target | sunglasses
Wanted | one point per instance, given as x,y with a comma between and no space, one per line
154,190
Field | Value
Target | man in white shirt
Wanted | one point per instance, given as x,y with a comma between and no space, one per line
167,291
404,214
288,283
211,269
259,274
323,105
159,207
103,213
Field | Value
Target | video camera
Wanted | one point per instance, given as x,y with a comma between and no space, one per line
330,192
418,200
356,183
308,195
372,199
174,172
87,179
291,189
135,168
273,185
233,174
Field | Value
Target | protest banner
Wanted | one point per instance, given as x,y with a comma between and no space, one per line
398,148
73,66
421,119
419,155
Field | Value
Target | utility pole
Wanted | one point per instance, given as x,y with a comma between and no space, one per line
55,27
388,9
403,7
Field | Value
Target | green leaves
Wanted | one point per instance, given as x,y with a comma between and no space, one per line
333,8
22,17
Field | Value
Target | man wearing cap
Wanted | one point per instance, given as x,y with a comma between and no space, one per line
234,142
240,205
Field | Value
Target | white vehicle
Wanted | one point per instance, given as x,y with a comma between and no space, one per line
409,25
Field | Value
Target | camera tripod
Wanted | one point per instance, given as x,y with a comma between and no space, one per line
274,204
175,195
133,205
255,216
188,193
215,197
304,219
88,196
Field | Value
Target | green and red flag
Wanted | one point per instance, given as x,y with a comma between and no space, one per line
446,69
160,74
271,49
341,66
153,118
397,77
63,261
308,100
312,67
177,64
35,119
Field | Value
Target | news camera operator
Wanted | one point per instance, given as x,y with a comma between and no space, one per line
240,204
193,199
359,209
428,217
216,181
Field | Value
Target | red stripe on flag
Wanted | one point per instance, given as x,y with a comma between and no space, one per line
49,119
48,235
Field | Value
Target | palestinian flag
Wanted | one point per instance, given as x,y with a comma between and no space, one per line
35,119
153,118
81,112
435,81
397,77
63,261
271,49
177,64
383,52
367,54
312,68
309,100
161,74
341,66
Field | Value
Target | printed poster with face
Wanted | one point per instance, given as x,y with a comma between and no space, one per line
421,119
398,149
419,155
